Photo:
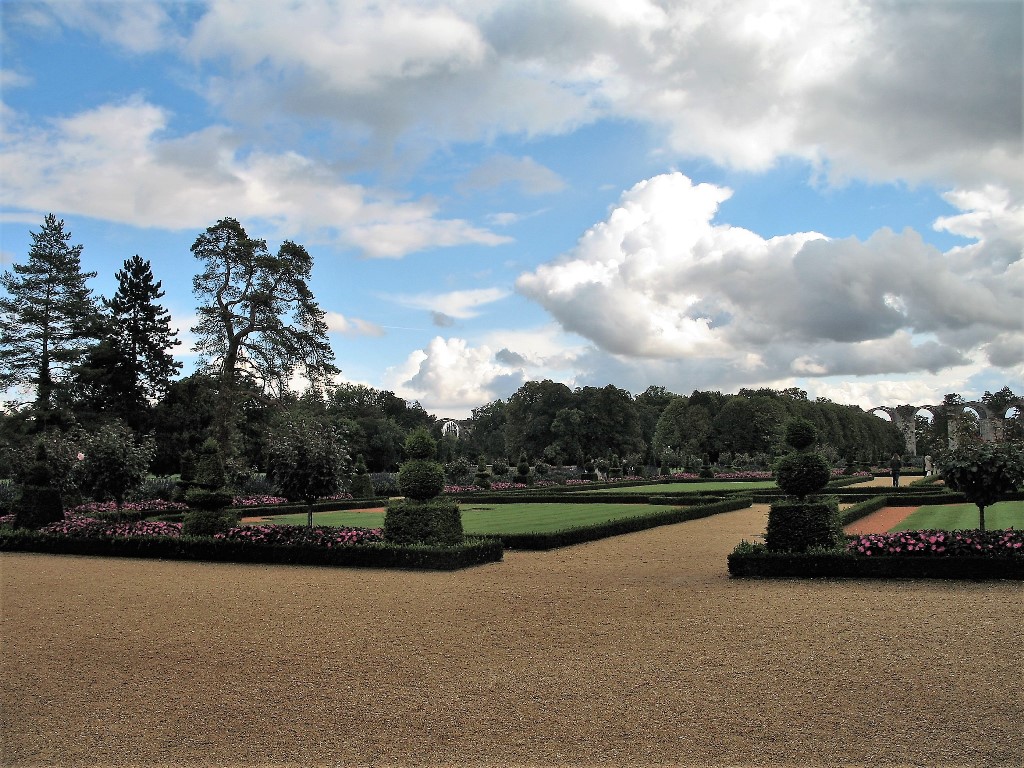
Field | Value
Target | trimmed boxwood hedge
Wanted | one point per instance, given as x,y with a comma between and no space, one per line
569,536
763,564
475,551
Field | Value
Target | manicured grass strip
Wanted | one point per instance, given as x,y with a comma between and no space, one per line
961,517
487,519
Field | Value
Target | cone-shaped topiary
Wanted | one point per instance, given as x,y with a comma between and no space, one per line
483,477
362,484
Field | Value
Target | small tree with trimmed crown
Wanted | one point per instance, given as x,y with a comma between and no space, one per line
985,473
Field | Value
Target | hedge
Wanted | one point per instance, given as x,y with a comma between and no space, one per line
763,564
475,551
569,536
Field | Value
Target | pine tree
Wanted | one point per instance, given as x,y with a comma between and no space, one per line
258,319
142,328
48,319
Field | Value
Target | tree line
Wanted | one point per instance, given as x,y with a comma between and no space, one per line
82,362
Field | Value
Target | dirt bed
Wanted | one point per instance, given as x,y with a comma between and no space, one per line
633,651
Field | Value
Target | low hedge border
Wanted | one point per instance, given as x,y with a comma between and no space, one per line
840,565
506,497
570,536
476,551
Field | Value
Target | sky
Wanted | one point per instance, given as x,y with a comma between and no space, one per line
702,194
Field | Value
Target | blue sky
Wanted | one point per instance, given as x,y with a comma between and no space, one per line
698,195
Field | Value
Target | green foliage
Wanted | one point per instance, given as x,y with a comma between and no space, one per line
207,522
483,477
435,523
48,317
38,505
256,307
203,548
799,526
421,479
362,485
209,466
205,499
306,460
114,462
420,445
985,473
800,434
802,474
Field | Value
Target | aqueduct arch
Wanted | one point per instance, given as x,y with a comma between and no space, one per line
991,423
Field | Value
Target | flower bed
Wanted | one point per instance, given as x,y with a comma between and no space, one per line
937,543
146,506
301,535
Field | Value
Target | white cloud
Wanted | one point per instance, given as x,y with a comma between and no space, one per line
457,304
137,27
659,279
864,89
116,163
351,326
524,172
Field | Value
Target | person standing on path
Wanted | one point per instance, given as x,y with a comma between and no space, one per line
895,464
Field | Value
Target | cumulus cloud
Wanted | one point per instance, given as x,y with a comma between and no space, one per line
862,89
660,279
116,162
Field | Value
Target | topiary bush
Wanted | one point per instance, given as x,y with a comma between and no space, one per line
796,524
436,523
801,474
39,503
208,521
418,518
523,470
483,477
362,485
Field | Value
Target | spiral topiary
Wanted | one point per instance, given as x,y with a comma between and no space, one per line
362,484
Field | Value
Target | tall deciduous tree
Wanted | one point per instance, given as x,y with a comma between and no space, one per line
49,319
258,317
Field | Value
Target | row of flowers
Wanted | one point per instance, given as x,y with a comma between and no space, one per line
937,543
159,505
296,535
301,535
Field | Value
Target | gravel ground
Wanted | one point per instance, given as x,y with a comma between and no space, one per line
633,651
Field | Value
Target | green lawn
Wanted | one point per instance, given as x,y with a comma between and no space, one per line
710,485
949,517
497,518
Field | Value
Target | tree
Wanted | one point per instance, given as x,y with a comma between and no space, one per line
114,462
141,328
530,413
984,473
48,319
258,318
306,460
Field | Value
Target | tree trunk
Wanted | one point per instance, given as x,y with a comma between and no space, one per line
981,515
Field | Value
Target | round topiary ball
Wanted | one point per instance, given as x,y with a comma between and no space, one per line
801,434
420,479
801,474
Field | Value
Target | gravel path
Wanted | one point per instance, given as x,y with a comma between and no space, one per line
633,651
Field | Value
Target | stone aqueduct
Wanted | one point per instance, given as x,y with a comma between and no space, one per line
991,422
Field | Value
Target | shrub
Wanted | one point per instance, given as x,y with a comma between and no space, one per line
800,434
797,526
362,485
436,523
208,522
40,502
801,474
208,500
420,480
420,477
208,466
483,477
385,484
